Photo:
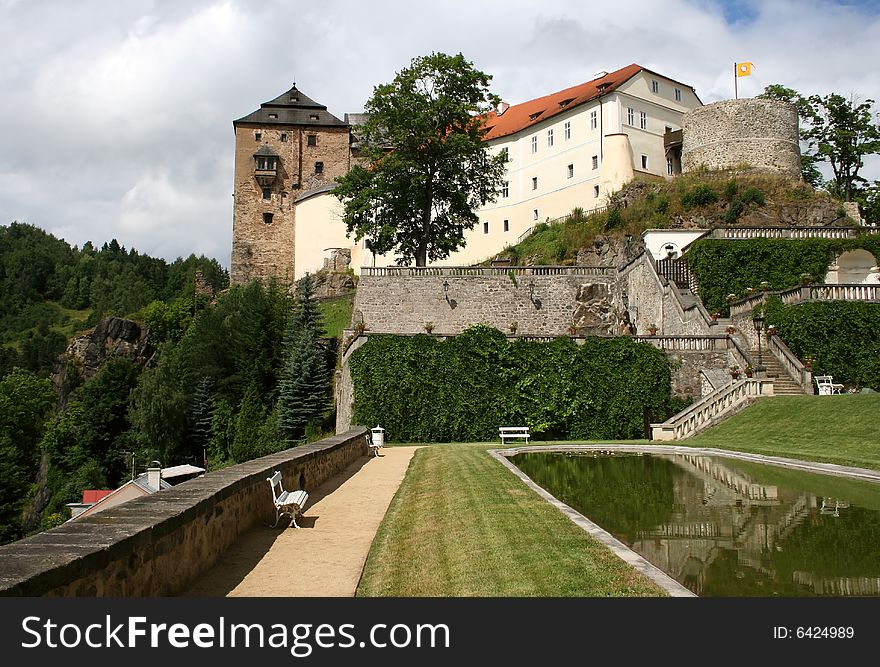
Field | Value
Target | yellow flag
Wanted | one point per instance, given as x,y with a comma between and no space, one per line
744,69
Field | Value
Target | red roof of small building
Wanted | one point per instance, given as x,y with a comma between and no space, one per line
94,495
520,116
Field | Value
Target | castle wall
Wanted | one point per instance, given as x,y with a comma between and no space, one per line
756,132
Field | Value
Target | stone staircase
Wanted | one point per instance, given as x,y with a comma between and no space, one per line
783,385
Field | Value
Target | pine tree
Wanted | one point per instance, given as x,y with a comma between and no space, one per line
201,416
304,384
249,422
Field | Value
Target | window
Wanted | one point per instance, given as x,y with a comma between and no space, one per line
284,136
506,154
595,162
265,163
594,120
655,87
258,136
571,171
549,138
505,189
273,116
507,225
567,130
267,193
534,182
644,162
595,191
669,166
312,140
485,227
630,116
534,144
534,214
319,167
267,218
643,120
678,94
313,116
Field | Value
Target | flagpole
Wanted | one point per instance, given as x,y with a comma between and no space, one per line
735,89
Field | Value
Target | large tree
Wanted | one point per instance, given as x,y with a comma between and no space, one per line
836,130
428,169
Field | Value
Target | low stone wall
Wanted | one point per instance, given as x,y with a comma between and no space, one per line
159,544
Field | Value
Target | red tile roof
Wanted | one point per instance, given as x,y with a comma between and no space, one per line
93,495
520,116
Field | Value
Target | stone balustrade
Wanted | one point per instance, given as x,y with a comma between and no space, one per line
791,364
707,411
737,233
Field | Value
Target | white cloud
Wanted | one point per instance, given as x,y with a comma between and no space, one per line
117,117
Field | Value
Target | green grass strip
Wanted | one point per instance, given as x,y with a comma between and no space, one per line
461,525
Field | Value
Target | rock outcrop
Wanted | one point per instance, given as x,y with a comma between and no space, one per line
87,352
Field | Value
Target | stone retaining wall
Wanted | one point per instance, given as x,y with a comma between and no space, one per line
158,544
405,304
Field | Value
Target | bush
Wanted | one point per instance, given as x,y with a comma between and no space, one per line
724,267
842,337
422,389
699,195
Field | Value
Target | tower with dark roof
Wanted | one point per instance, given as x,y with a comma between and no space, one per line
287,148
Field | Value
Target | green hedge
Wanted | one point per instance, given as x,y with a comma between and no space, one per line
842,337
422,389
730,267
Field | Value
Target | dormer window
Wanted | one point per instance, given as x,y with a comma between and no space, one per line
313,116
273,116
535,115
565,103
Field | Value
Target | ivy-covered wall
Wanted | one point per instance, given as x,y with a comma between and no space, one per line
724,267
422,389
842,337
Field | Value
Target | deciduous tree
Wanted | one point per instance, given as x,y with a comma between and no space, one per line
428,168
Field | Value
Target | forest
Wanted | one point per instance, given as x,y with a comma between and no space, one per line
238,372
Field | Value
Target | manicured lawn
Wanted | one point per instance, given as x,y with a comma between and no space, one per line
833,429
462,525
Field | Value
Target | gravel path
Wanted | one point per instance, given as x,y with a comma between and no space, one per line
326,555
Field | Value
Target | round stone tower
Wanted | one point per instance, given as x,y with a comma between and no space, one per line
762,134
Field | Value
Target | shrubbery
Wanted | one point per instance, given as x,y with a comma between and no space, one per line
421,389
731,267
842,337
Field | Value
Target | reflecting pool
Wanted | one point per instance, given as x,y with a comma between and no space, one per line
724,527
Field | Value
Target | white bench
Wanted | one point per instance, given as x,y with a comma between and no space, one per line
827,385
290,503
513,432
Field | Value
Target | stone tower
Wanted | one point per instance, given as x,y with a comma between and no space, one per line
283,150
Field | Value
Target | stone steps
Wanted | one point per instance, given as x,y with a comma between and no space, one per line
782,383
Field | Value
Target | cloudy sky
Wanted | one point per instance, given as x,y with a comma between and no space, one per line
116,116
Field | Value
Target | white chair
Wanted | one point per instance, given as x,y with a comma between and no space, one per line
827,385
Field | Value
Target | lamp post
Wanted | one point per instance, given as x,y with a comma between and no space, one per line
758,320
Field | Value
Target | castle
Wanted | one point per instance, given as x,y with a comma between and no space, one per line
571,148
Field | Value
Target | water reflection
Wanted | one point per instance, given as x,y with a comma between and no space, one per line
723,527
